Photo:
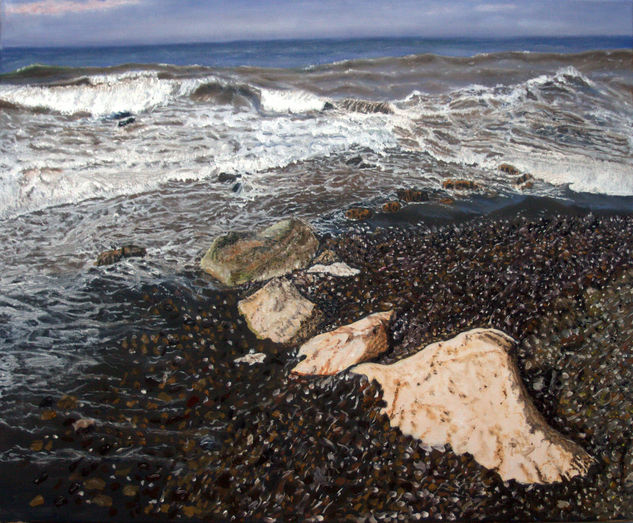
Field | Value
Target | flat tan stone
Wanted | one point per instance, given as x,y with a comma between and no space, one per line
468,392
335,351
277,311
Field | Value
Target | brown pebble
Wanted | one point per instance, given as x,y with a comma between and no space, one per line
37,501
102,500
412,195
447,201
459,185
37,445
358,213
130,490
508,169
391,207
48,415
94,484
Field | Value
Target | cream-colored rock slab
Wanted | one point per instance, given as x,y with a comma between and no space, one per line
277,311
468,392
340,269
251,359
337,350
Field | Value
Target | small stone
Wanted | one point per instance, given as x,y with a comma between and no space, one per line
115,255
327,257
251,359
83,424
412,195
94,484
335,351
391,207
37,501
130,491
508,169
459,185
48,415
358,213
340,269
102,500
37,445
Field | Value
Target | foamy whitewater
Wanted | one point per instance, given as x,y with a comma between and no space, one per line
95,157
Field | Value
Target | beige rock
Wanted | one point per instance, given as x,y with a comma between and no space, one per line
83,424
251,359
468,392
335,269
277,311
335,351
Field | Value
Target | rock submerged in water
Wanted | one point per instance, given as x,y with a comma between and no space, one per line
459,185
240,257
277,311
468,392
391,207
412,195
115,255
358,213
509,169
335,351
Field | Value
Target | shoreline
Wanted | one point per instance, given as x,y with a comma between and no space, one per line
183,431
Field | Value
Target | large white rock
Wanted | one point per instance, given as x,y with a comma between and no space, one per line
467,392
277,311
335,351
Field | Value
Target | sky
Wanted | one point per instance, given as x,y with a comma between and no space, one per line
124,22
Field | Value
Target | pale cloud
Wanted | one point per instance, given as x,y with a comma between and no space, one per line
493,8
58,7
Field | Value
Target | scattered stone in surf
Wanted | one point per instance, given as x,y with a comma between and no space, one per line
251,359
227,177
526,177
115,255
467,392
365,106
459,185
337,350
339,269
279,312
237,188
126,121
358,214
412,195
83,424
240,257
391,207
447,201
509,169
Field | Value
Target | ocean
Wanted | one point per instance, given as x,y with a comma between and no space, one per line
168,146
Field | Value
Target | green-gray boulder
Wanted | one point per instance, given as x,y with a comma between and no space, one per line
240,257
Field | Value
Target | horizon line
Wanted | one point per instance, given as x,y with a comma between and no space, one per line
315,39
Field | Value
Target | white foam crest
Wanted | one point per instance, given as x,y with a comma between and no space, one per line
208,140
106,94
290,101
